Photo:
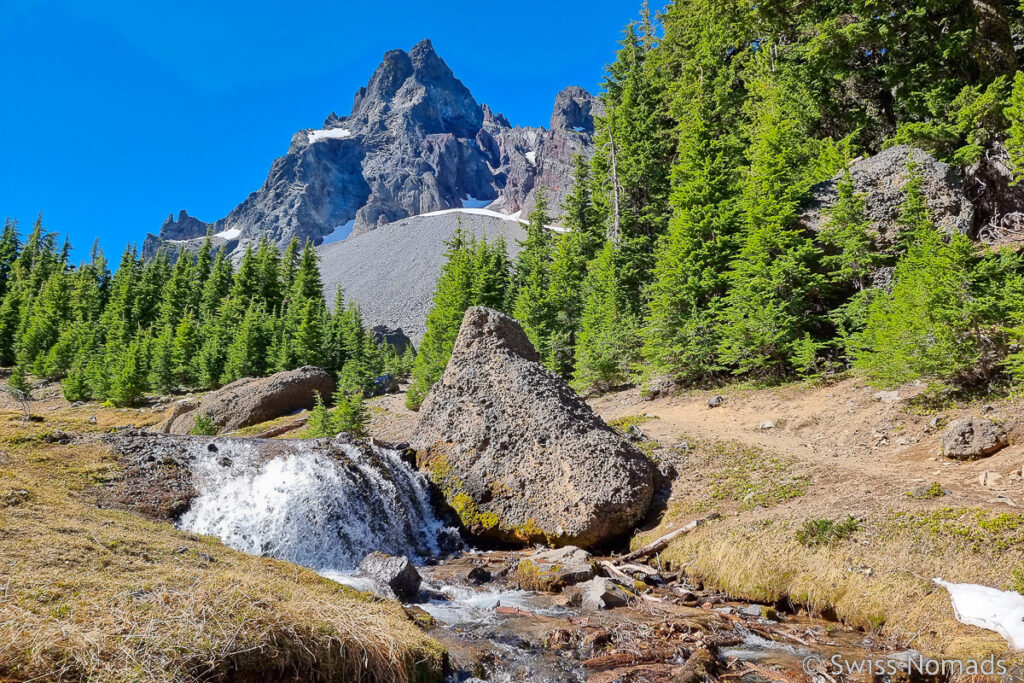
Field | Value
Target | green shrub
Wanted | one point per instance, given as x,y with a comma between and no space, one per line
203,426
321,422
933,490
825,532
350,415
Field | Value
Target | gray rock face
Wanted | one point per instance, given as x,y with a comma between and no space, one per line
185,228
518,455
415,142
252,400
972,437
395,337
553,570
395,575
883,178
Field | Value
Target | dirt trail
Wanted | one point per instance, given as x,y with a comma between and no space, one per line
871,448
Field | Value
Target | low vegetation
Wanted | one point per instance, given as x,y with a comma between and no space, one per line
203,426
820,532
751,477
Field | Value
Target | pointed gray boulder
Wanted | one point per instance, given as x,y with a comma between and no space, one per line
518,455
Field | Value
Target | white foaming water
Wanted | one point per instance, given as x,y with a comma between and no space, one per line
324,508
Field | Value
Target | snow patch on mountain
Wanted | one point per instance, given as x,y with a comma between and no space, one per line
328,134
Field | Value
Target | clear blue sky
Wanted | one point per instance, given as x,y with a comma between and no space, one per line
116,113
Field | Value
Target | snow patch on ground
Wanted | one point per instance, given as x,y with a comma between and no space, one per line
328,134
341,232
989,608
532,157
229,234
492,214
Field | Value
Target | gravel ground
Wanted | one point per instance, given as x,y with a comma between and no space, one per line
391,272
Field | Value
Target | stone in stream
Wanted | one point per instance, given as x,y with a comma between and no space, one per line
519,457
396,575
970,437
252,400
600,593
477,576
553,570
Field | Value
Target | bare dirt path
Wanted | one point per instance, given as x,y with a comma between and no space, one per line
872,445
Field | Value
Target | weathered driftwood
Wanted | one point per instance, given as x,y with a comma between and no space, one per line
621,659
660,544
616,573
642,568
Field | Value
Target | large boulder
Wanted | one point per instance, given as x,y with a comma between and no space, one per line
883,180
252,400
972,437
518,455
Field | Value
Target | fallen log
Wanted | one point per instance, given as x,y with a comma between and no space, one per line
621,659
616,573
660,544
281,429
641,568
699,667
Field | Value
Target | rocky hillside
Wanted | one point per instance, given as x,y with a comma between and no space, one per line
391,272
415,142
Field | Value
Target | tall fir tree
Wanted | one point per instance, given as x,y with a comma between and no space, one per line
607,344
682,332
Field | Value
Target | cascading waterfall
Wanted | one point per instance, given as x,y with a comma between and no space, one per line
324,505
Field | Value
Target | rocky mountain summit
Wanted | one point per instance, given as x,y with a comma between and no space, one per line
415,142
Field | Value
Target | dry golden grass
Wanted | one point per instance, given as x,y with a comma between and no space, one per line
879,579
108,596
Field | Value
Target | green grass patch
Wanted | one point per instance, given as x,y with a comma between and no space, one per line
979,531
933,490
752,478
825,532
623,424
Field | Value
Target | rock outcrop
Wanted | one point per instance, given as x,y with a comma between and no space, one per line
971,437
883,179
252,400
416,142
518,455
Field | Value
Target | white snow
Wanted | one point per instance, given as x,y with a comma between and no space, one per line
229,234
989,608
341,232
330,133
493,214
579,129
532,157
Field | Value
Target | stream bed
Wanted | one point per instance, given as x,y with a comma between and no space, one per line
497,632
325,504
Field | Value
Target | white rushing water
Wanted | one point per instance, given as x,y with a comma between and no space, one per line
324,508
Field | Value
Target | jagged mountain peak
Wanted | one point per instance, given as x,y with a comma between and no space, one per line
417,141
416,89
